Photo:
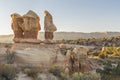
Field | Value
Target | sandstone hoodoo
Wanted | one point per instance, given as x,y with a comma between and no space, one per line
17,24
26,27
31,25
49,26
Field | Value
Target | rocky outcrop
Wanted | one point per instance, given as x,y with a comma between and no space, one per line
49,26
26,26
17,23
48,22
43,55
31,25
76,59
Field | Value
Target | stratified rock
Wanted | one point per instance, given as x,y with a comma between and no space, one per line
49,26
37,55
34,41
17,24
31,25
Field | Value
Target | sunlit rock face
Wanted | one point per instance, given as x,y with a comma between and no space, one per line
49,26
26,26
76,59
17,23
31,25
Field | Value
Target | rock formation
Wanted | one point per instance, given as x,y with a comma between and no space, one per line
26,27
16,25
31,25
77,60
49,26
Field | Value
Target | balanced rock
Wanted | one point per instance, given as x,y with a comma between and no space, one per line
49,26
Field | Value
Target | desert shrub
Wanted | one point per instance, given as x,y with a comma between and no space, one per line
89,76
103,55
39,78
116,70
7,72
116,52
92,76
110,77
110,72
63,76
77,76
96,53
55,70
63,51
110,50
31,71
9,57
107,68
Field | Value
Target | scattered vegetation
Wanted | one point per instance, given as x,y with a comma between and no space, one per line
55,70
8,72
109,52
64,50
89,76
110,71
32,71
96,53
103,55
9,57
94,41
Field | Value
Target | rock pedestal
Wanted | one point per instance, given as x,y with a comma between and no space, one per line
26,26
17,22
49,26
31,25
18,34
30,34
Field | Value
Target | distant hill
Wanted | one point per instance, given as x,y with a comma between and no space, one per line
67,36
77,35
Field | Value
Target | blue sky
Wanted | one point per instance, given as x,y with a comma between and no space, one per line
68,15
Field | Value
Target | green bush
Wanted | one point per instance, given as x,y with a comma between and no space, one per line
55,70
96,53
77,76
7,72
9,57
103,55
31,71
110,72
63,51
88,76
63,76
